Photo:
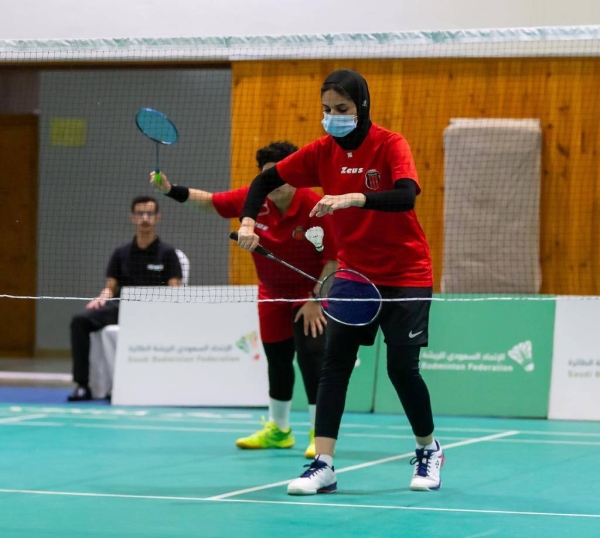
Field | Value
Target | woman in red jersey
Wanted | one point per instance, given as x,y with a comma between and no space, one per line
289,326
370,183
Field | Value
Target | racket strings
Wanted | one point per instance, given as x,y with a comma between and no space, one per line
351,301
156,126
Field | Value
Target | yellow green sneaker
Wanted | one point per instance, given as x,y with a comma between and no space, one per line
310,452
270,436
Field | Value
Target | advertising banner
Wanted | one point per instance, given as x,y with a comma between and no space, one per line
575,385
177,350
485,357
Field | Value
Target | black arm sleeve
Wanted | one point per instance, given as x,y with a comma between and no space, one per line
402,198
261,186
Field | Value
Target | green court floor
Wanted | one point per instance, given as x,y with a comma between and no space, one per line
127,472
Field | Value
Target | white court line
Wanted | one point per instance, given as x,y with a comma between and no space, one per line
446,447
395,436
36,376
142,415
108,414
198,429
448,437
10,420
364,465
548,442
76,417
231,430
193,429
161,428
560,434
20,421
69,409
45,424
410,508
492,430
101,495
295,503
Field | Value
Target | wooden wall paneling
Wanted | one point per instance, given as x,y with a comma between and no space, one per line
280,99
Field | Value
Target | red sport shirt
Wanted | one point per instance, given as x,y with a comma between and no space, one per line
283,235
390,248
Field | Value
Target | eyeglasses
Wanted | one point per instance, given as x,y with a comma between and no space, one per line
144,213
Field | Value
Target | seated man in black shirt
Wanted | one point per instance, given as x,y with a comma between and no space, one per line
146,261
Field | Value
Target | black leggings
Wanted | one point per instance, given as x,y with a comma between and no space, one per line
403,371
280,359
82,324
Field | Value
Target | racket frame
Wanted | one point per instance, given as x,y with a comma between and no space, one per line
158,141
322,298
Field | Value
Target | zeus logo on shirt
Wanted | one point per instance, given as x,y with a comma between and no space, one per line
347,170
155,267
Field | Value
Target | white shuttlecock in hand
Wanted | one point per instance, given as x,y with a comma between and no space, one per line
315,236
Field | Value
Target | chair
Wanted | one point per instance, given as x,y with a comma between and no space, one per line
103,346
185,267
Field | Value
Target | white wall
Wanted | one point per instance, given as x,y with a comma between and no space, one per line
72,19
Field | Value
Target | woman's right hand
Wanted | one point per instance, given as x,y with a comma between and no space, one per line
96,303
164,185
247,239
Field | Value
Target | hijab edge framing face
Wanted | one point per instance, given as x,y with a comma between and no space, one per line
355,87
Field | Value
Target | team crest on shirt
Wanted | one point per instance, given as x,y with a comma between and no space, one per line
372,179
298,233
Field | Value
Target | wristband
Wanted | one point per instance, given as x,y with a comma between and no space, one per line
179,193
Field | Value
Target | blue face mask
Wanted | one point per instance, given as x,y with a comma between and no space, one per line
338,125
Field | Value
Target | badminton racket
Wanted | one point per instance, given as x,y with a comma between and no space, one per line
345,295
158,128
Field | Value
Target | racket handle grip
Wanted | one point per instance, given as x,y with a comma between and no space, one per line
157,177
259,249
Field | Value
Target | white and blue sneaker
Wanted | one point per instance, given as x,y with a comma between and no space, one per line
318,478
428,464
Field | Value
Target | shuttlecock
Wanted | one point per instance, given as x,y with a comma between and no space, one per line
315,236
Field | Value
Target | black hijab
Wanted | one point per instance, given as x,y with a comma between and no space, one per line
356,87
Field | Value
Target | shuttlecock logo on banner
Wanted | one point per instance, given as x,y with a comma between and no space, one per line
315,236
522,354
249,344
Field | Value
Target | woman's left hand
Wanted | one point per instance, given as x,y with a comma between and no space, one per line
328,204
314,319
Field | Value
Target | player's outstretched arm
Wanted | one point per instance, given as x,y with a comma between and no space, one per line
328,204
268,180
196,198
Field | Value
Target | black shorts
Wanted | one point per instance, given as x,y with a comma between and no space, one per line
402,322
